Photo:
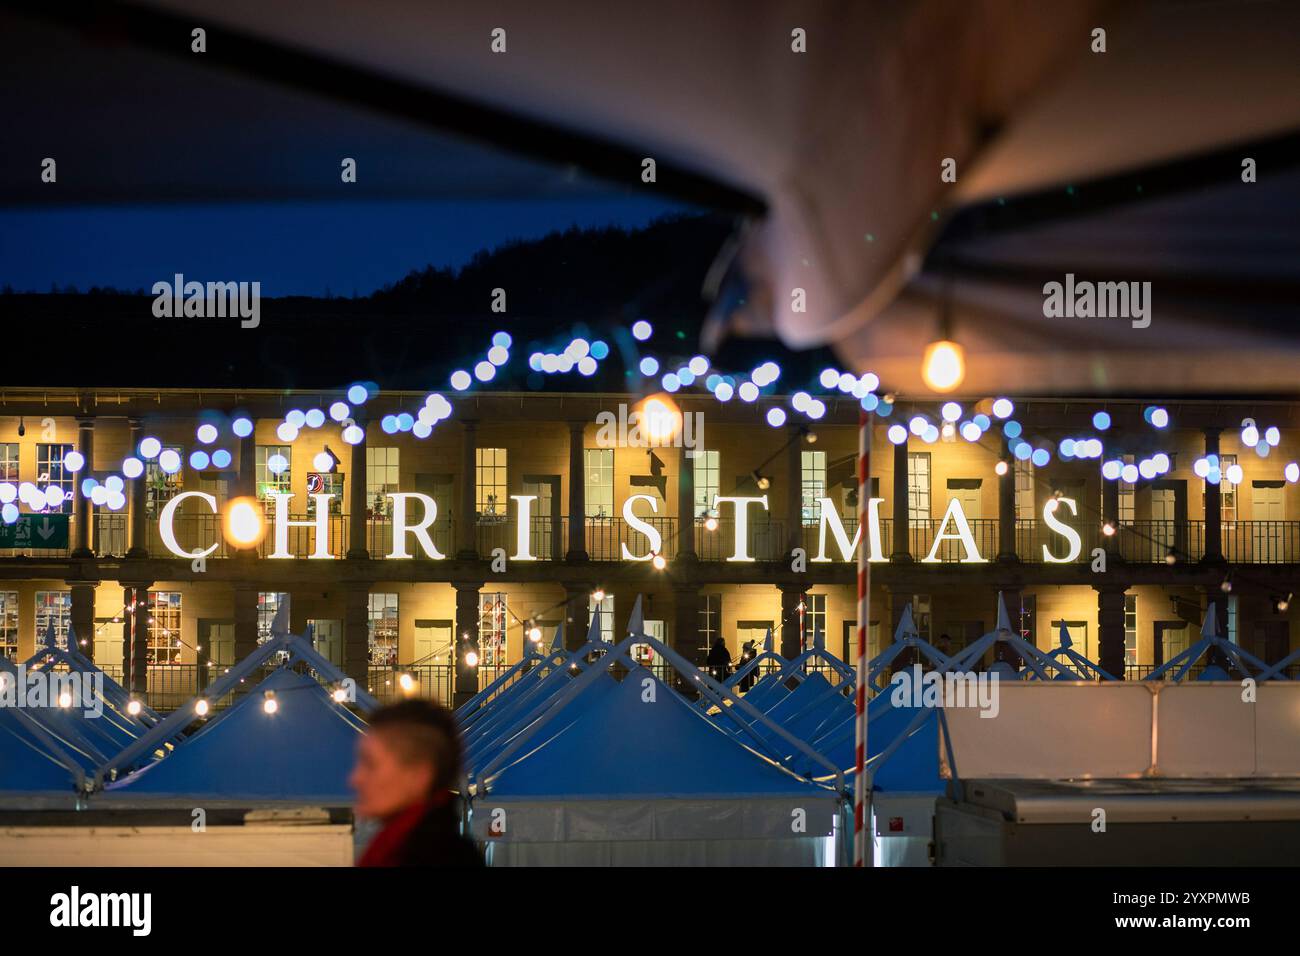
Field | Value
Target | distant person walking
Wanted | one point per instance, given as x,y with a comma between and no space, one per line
406,765
748,651
719,660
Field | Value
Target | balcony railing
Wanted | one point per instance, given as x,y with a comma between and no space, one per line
1137,542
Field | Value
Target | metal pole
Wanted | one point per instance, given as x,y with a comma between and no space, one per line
862,841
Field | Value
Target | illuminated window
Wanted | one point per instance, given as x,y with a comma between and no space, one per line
268,605
50,471
325,483
918,486
1227,490
1025,496
606,616
161,487
381,480
269,482
1127,497
55,607
813,475
9,625
708,480
9,461
598,475
164,632
491,497
493,622
381,621
1130,629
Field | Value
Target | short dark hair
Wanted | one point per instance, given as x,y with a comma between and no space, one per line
423,731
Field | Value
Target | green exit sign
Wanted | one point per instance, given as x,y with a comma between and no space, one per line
35,531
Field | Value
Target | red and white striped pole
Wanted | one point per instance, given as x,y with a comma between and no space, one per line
862,841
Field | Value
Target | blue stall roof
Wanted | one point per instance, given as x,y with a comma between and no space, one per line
304,751
638,738
27,764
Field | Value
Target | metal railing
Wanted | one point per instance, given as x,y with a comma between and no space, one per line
1145,541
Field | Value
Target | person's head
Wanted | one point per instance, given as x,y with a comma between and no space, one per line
410,752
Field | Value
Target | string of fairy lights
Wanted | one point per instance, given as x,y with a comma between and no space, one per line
991,419
929,422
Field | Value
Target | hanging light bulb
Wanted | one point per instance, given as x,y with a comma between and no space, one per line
943,366
270,704
710,523
659,562
407,683
340,695
471,658
200,706
534,633
1107,529
598,594
1000,468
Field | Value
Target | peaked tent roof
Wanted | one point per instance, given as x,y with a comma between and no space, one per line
31,761
622,742
304,751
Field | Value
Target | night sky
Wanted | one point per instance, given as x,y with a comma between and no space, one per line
292,248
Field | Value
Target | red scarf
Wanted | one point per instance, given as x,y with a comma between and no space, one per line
386,848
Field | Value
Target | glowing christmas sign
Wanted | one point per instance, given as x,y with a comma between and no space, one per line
416,522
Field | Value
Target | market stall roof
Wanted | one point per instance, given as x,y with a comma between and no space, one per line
831,122
32,761
302,752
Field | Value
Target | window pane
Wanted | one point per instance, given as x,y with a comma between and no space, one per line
273,470
164,632
383,631
599,478
707,466
491,497
813,485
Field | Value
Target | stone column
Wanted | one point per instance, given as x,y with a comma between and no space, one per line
1007,548
1213,506
140,641
139,529
356,634
791,634
358,539
1110,628
685,638
686,506
83,615
577,550
902,536
1110,515
128,620
467,611
246,481
467,518
83,514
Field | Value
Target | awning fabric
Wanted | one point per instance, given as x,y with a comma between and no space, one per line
25,765
631,760
303,752
844,145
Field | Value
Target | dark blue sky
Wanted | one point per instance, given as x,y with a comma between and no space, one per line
291,248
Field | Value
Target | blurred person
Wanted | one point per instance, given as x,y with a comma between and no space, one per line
406,765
